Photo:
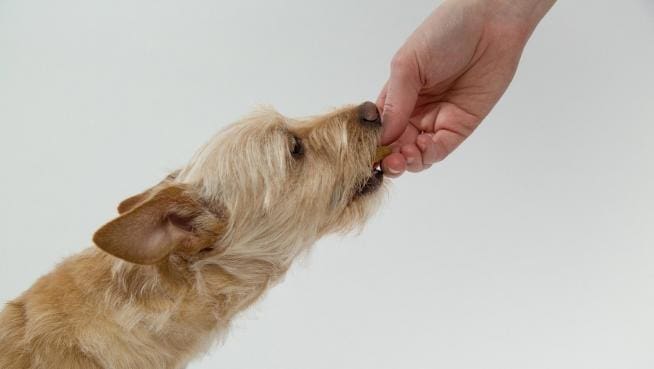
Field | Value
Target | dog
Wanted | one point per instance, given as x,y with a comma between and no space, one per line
182,258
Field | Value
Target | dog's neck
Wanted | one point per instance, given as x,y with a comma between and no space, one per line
169,306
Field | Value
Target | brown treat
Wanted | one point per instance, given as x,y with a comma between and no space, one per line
381,153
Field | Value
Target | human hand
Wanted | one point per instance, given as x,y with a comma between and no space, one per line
448,76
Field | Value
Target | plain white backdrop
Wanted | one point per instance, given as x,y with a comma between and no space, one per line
532,246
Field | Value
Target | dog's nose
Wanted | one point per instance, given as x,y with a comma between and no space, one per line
369,115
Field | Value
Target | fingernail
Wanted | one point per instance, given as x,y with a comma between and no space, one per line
393,171
409,161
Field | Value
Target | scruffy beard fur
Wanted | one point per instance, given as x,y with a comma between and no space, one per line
182,258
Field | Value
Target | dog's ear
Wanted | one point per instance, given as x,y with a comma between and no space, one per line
132,201
172,219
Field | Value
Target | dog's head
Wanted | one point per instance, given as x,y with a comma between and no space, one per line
264,188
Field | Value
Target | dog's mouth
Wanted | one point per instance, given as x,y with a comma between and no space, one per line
376,178
372,183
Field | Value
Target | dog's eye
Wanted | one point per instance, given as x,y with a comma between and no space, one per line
297,148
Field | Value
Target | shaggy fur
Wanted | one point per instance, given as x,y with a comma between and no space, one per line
182,258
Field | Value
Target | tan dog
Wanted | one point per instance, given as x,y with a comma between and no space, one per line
182,258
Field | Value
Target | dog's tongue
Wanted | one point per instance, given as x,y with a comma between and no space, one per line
381,153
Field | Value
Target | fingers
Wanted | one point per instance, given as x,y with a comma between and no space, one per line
398,98
436,147
444,142
427,149
394,165
413,157
429,138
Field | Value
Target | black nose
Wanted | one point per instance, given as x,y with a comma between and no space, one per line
369,115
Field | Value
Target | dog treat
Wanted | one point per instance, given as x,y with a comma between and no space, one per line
382,152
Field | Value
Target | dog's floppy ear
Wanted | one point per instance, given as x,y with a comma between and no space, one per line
132,201
166,220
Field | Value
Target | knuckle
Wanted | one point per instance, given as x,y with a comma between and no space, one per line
400,63
442,151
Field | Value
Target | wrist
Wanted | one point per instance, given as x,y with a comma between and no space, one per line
519,17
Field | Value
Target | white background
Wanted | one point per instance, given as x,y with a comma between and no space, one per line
532,246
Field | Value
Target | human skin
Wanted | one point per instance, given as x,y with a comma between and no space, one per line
449,74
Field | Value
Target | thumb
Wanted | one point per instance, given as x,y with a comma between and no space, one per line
398,100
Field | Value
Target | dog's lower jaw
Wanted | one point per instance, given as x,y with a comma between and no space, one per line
105,313
372,184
